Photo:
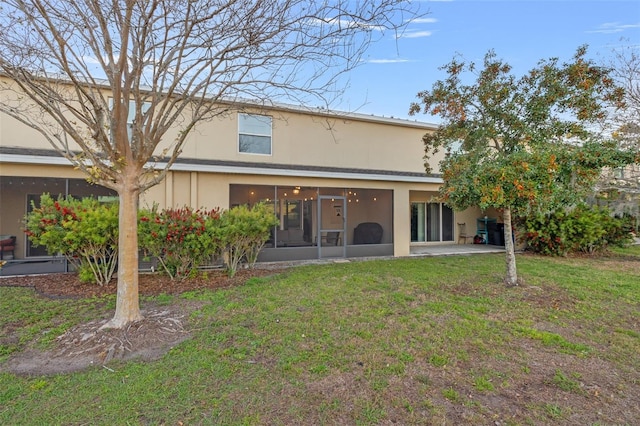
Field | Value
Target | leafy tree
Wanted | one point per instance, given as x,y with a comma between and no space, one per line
520,145
105,80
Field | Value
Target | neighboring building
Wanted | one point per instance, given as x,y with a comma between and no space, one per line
342,184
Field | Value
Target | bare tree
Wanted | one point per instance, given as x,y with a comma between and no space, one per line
622,185
104,80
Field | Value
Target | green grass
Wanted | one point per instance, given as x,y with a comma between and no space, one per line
435,340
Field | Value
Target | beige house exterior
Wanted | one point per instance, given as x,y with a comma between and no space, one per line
342,184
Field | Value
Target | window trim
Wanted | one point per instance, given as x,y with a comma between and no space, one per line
270,135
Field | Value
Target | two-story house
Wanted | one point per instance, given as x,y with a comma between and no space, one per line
342,184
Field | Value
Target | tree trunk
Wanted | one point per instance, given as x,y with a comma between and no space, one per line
127,302
509,246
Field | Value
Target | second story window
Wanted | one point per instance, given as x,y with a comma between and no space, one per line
132,114
254,134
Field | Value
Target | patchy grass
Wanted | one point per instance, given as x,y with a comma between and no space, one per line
408,341
566,383
28,319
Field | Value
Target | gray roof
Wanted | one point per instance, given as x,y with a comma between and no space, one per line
185,161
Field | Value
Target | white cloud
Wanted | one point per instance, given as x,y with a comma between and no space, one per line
614,27
423,21
387,61
347,24
90,60
415,34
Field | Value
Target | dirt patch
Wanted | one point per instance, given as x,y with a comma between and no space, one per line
87,345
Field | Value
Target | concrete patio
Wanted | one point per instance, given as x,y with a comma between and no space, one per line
455,249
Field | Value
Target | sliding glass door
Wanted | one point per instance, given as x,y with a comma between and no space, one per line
431,222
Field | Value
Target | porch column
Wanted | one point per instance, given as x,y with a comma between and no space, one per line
194,191
168,190
401,221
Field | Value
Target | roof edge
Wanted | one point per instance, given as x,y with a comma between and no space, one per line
51,157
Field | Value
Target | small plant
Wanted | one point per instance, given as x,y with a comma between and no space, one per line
181,239
438,360
451,394
565,383
483,384
164,299
244,231
553,410
371,413
84,231
39,384
407,406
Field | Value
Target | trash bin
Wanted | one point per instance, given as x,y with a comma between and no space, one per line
492,233
499,234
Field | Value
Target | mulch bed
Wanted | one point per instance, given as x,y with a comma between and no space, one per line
67,285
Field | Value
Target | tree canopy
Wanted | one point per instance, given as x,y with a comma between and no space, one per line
521,144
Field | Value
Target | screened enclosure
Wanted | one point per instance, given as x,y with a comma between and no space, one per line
323,222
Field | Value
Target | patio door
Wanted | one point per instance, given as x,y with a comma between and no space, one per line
332,221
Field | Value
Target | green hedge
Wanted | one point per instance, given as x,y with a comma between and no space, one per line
579,230
86,233
181,239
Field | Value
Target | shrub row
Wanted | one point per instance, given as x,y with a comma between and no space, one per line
184,239
86,233
579,230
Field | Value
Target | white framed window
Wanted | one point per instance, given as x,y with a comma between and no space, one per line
254,134
131,115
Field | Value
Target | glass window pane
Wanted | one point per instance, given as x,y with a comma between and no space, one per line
132,110
447,223
255,124
255,144
417,222
433,222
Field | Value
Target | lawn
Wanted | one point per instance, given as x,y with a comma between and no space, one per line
435,340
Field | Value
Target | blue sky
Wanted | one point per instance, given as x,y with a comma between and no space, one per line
520,32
